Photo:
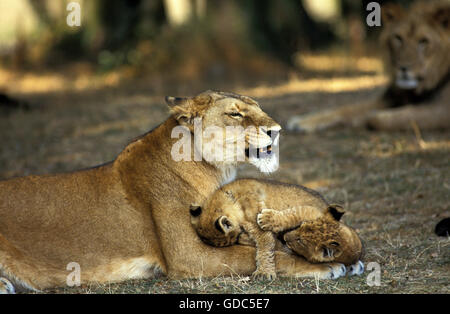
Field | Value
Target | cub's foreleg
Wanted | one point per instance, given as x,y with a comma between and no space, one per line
265,247
280,220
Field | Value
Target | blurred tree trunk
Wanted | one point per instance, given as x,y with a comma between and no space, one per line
284,27
105,25
49,12
180,12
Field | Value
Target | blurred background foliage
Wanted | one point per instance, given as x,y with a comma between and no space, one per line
189,38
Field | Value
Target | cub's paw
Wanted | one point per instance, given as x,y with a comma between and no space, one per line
266,220
335,271
6,286
356,269
265,275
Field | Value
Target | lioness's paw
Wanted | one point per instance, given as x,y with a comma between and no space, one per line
262,274
380,120
304,124
6,287
336,270
356,269
266,220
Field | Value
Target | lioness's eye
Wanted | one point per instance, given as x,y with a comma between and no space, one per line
235,114
423,42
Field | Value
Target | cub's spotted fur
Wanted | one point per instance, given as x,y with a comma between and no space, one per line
238,213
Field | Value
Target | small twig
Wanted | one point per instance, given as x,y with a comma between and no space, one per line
429,247
418,134
316,280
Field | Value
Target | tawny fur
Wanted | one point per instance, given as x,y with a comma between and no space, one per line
416,42
129,218
261,209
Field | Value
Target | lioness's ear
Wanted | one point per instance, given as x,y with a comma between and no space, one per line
195,210
391,12
184,110
336,211
223,224
175,101
181,109
202,100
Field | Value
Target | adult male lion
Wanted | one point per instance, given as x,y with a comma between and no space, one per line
130,217
418,43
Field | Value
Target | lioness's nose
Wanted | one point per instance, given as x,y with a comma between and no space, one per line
274,131
276,128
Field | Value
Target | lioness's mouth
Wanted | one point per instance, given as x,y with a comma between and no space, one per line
262,152
258,152
406,83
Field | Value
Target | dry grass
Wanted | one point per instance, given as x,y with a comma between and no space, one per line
395,185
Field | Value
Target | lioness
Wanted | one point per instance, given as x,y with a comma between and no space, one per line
129,218
417,42
310,225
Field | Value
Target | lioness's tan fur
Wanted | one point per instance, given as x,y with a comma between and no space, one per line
130,218
261,209
417,44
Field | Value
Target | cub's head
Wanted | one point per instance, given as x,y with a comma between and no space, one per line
418,43
217,222
325,239
229,129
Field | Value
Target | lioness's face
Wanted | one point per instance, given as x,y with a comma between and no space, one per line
233,129
216,222
325,240
418,42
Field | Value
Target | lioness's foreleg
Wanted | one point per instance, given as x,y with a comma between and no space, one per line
239,260
6,286
288,265
353,114
429,116
24,272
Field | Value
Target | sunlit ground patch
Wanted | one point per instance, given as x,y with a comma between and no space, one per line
331,85
338,64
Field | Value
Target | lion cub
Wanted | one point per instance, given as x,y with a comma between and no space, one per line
239,211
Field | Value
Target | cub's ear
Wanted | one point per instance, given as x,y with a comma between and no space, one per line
335,211
224,225
391,13
261,194
230,195
195,210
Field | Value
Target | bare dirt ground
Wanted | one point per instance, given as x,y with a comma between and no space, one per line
395,186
